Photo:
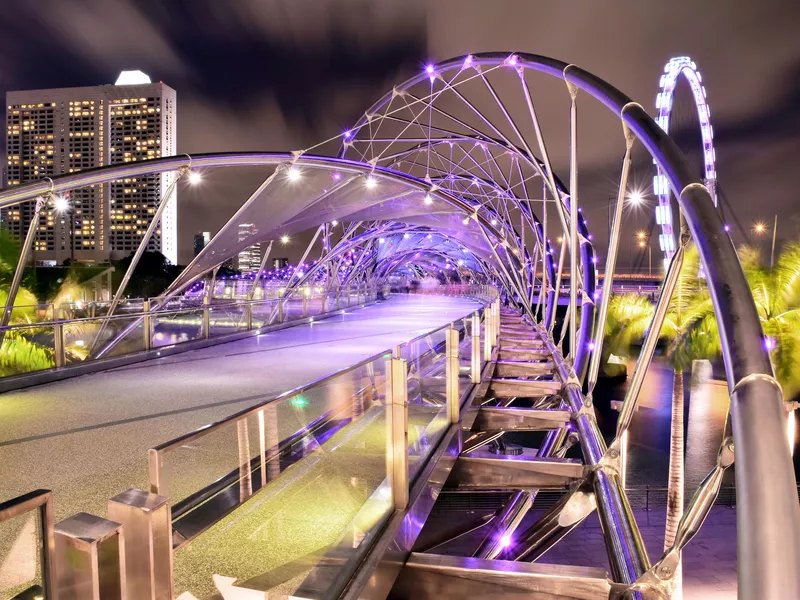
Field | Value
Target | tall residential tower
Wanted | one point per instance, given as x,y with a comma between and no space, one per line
65,130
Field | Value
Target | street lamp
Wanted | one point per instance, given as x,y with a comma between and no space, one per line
759,227
644,240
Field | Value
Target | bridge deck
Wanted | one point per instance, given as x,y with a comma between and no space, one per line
87,438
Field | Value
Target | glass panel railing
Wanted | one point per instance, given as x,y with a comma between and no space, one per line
176,327
325,503
84,334
27,348
26,546
427,408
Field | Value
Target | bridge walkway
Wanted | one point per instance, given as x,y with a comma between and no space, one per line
87,438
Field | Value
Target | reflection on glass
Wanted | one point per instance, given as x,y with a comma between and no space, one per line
20,568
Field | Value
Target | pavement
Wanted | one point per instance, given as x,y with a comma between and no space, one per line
87,438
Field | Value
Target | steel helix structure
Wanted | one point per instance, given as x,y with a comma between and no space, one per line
455,169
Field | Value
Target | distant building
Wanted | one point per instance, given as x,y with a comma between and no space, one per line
280,263
201,241
249,259
66,130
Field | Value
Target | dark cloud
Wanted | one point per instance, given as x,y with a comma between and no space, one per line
277,75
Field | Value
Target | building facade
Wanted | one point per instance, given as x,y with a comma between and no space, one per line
66,130
249,259
201,240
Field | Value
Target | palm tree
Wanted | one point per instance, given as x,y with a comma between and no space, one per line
627,320
776,293
691,333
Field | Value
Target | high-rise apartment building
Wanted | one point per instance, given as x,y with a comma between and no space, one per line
65,130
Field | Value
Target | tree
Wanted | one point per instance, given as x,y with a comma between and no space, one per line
691,333
626,322
776,293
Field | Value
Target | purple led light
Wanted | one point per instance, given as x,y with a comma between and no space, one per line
505,541
429,69
337,176
769,344
591,346
727,228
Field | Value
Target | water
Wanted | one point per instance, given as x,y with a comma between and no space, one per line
706,405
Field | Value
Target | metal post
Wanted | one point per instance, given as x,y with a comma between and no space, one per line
206,317
146,520
58,345
89,559
147,325
573,222
397,430
487,334
249,314
280,305
154,222
305,302
245,475
475,370
452,368
496,330
23,258
611,260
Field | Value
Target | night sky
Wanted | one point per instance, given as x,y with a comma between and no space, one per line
281,75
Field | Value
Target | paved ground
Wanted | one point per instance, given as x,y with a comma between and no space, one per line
87,438
709,561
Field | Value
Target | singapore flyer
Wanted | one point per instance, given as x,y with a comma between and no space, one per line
681,65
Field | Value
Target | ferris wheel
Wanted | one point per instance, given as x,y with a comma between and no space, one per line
681,65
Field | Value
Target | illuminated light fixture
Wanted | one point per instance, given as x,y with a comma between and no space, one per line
494,221
512,60
347,134
461,262
60,203
428,199
406,236
759,228
429,69
468,60
560,239
727,228
635,197
381,240
641,235
195,177
505,541
466,221
334,223
299,402
371,183
293,173
284,239
132,78
337,176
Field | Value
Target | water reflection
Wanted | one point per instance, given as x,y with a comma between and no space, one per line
706,405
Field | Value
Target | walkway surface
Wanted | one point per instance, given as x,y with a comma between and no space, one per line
87,438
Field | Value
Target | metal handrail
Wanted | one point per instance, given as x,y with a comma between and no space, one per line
41,500
211,427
